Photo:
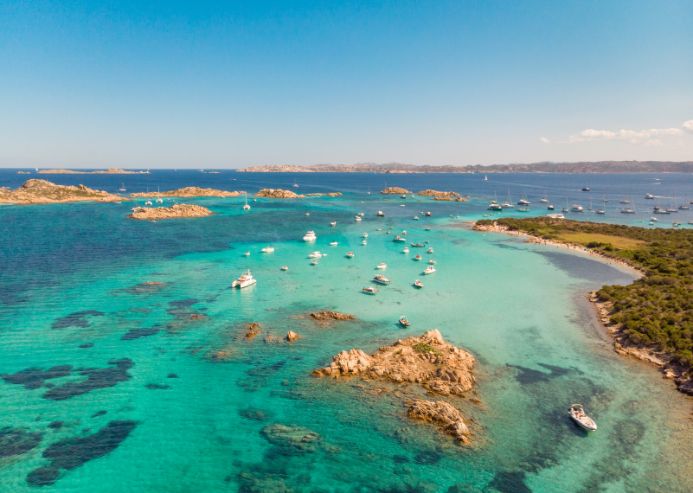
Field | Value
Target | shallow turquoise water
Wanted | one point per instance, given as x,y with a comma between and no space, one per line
197,422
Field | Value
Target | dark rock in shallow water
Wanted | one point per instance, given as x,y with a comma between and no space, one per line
428,457
137,333
55,425
172,375
86,345
528,375
34,378
99,413
148,287
250,482
73,452
510,482
43,476
253,414
400,459
291,438
97,378
157,386
76,319
15,441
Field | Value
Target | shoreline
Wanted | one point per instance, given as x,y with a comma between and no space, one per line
620,344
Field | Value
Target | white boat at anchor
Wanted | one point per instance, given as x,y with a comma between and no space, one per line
310,236
405,250
349,255
429,270
333,223
244,281
381,266
357,218
316,254
334,243
580,417
267,249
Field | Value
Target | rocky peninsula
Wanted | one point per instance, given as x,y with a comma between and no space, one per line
420,363
442,196
38,191
188,192
394,191
109,171
177,211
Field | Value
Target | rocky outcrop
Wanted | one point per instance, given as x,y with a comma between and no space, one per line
394,191
38,191
425,362
188,192
176,211
442,196
327,315
327,194
294,439
292,336
443,415
278,193
252,330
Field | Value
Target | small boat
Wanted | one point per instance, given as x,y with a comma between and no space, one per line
364,235
148,202
428,214
586,189
556,216
246,206
544,200
523,201
431,262
268,249
333,223
578,415
314,262
295,185
159,200
550,207
246,254
684,207
429,270
495,206
627,210
310,236
403,196
601,212
507,205
653,219
315,254
362,214
284,267
430,250
369,290
577,208
122,188
404,322
404,232
485,178
349,255
405,250
416,218
381,279
244,281
671,210
381,266
417,284
624,201
357,218
380,214
417,245
649,196
398,239
307,213
364,242
660,210
418,258
334,243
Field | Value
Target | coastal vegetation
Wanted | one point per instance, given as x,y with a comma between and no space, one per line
656,311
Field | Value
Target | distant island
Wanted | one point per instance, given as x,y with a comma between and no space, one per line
109,171
188,192
543,167
651,318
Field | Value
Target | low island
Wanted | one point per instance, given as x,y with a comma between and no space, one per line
177,211
394,191
442,196
188,192
38,191
651,318
416,368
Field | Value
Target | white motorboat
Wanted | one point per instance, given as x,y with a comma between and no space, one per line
405,250
428,214
357,218
148,202
577,208
333,223
578,415
429,270
334,243
431,262
362,214
364,242
523,201
380,214
310,236
364,235
495,206
244,281
349,255
649,196
430,250
267,249
418,284
315,254
381,279
399,239
246,206
381,266
404,322
418,258
284,267
369,290
416,218
246,254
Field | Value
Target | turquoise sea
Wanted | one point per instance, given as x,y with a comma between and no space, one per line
110,385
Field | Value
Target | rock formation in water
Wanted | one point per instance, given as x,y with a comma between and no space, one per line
292,336
37,191
394,191
252,330
278,193
176,211
327,315
188,192
426,361
442,196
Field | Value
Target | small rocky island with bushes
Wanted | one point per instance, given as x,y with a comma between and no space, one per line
177,211
442,196
189,192
38,191
418,366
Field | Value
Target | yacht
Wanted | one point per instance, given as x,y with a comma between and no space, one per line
506,205
627,210
310,236
523,208
586,189
495,206
380,214
660,210
381,279
577,414
284,267
398,239
429,270
671,210
268,249
357,218
333,223
405,250
624,201
417,284
684,207
417,245
246,206
577,208
544,200
381,266
369,290
334,243
404,322
649,196
653,219
523,201
428,214
244,281
349,255
550,207
148,202
601,212
122,188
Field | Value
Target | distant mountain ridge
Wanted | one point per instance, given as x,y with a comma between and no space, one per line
542,167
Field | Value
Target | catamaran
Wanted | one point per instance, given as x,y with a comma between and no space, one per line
244,281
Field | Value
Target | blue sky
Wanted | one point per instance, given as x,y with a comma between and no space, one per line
226,84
